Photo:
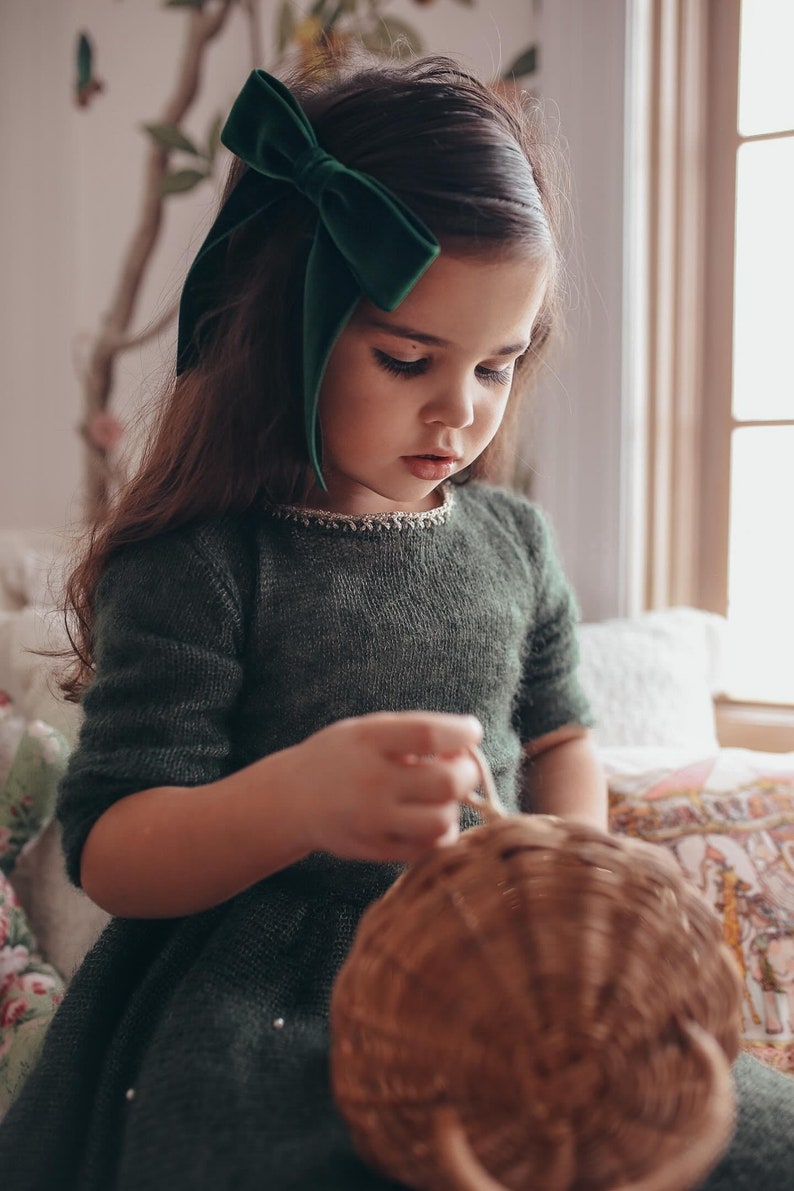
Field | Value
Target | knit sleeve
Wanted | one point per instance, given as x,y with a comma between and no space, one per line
168,632
550,695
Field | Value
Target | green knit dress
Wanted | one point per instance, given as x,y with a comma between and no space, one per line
192,1053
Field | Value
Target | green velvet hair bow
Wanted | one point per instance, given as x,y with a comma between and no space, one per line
367,242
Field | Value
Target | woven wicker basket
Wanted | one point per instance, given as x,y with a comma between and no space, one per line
540,1006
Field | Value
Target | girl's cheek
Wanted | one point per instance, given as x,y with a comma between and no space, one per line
499,414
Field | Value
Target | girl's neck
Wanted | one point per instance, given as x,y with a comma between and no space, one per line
308,514
365,503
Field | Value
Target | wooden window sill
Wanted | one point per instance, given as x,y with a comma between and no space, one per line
766,727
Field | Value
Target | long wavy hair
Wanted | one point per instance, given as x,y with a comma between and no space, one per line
469,162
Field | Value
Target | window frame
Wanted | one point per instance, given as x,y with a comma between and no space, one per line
693,142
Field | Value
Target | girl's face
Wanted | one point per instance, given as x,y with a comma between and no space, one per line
411,397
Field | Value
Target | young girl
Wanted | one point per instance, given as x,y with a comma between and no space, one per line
293,629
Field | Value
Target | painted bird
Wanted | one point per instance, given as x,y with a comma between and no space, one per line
87,85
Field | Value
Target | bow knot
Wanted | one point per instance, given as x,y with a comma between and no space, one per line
366,243
314,171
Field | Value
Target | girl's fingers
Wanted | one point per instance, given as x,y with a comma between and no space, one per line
423,826
401,779
439,780
421,733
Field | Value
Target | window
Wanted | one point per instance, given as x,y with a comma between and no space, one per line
722,342
760,406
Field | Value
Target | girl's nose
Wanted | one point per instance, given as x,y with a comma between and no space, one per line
453,405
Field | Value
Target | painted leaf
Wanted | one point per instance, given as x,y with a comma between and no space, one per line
406,34
168,136
332,19
180,181
392,36
375,39
214,138
525,63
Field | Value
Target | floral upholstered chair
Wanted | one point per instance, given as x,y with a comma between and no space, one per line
32,759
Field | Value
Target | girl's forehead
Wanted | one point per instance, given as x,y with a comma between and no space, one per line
461,299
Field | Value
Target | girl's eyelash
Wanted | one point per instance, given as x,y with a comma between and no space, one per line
400,367
496,376
409,368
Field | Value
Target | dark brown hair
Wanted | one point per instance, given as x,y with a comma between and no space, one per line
228,430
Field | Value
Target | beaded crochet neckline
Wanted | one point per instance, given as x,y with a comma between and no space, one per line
367,522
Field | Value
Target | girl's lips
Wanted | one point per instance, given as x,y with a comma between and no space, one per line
430,467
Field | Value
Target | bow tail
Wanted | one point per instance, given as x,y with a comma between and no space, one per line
202,287
330,296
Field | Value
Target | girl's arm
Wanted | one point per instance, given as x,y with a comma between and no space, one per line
563,776
383,787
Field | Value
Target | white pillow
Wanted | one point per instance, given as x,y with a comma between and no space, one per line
651,678
29,678
32,567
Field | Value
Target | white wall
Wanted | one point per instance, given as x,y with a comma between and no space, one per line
39,458
587,448
70,183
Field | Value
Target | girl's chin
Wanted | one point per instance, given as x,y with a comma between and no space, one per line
359,500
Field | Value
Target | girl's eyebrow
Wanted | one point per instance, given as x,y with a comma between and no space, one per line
403,332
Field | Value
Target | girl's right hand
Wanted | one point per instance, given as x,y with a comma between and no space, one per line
385,786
